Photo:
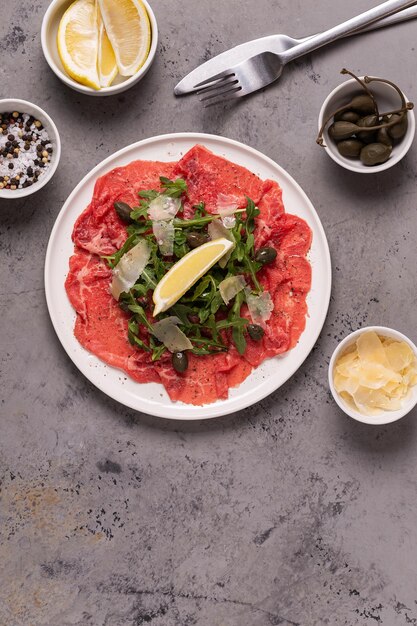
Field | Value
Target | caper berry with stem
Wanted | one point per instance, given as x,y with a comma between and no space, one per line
255,332
196,239
347,116
350,148
266,255
180,361
362,104
342,130
382,136
367,122
123,210
399,128
375,153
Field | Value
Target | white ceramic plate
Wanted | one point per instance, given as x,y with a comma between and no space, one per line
152,398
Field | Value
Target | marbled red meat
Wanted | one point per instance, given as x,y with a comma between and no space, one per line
101,326
99,229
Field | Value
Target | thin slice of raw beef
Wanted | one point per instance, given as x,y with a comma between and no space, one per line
99,229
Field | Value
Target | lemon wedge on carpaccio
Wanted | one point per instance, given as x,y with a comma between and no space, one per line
129,31
187,271
77,42
106,62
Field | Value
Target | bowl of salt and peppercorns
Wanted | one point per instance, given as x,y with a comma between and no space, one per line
30,148
366,124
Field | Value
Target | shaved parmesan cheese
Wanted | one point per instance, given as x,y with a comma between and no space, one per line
229,221
370,348
375,374
129,268
163,208
162,211
230,287
399,355
164,232
260,307
217,230
170,335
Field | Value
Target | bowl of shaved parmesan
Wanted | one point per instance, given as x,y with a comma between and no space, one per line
373,375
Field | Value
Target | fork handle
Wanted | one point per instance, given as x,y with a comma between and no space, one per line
348,27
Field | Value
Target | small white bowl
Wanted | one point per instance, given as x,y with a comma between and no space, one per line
50,24
386,417
388,100
23,106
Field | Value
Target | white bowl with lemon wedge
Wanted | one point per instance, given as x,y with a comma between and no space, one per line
99,47
373,375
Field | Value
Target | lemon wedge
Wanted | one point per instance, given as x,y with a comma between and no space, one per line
129,30
107,66
77,42
188,271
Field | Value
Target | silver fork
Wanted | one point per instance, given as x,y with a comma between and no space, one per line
264,68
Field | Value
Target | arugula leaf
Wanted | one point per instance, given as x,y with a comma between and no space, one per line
149,194
239,339
202,286
133,329
237,330
194,222
182,311
216,303
113,259
251,213
149,277
173,188
158,349
200,209
140,315
141,213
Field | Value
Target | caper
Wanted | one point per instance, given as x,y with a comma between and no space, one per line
362,104
266,255
375,153
367,122
180,361
123,211
398,130
382,136
347,116
342,130
350,147
255,331
195,239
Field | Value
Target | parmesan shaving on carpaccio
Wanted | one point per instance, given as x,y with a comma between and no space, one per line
260,307
164,232
129,268
230,287
216,229
171,336
162,211
375,374
163,208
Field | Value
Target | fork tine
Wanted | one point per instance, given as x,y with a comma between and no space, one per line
218,85
217,77
219,96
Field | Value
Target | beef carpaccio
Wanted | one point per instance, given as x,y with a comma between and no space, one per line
102,327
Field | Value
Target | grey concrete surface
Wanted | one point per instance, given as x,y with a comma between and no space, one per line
285,513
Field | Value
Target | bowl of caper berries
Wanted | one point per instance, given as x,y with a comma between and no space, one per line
366,124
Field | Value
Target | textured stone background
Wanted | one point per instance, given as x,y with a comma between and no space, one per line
285,513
